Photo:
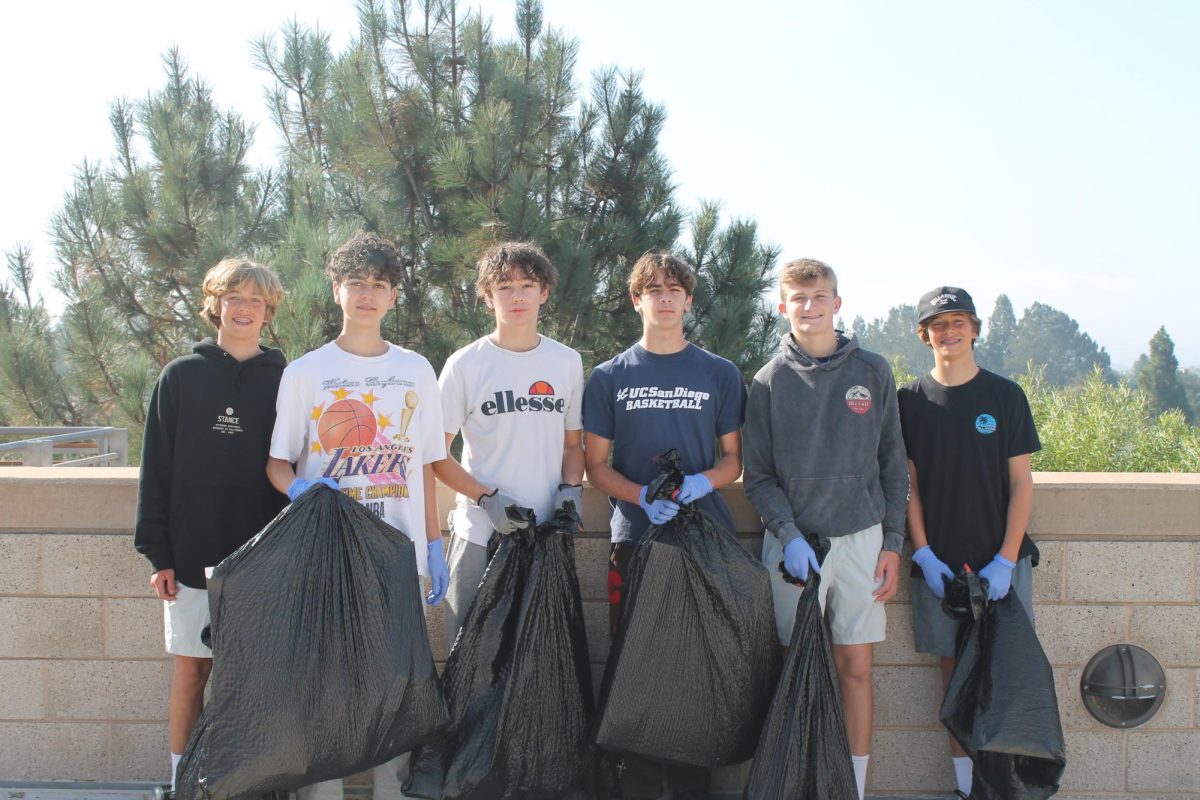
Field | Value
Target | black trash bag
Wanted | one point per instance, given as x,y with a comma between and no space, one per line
322,666
693,665
803,751
518,680
1000,704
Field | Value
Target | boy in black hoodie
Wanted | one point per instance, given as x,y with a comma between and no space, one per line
824,458
202,492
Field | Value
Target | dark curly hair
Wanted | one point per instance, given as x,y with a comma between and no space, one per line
365,255
509,260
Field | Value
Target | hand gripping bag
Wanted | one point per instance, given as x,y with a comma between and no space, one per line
693,664
321,661
518,680
803,751
1000,704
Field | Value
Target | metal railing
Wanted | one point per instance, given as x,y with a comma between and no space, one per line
41,445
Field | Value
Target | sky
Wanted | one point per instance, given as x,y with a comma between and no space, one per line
1048,151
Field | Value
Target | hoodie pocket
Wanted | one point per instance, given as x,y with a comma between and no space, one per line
832,505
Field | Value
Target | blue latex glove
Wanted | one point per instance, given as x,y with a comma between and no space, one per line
659,511
934,570
439,573
798,555
300,485
694,487
998,574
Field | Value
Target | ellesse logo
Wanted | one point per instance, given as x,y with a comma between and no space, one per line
539,397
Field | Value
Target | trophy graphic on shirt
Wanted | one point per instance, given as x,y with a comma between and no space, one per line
411,399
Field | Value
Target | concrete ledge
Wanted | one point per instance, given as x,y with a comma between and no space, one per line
1096,506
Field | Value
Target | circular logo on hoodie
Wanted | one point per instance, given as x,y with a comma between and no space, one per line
858,399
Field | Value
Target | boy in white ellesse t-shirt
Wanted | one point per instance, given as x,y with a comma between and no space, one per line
516,397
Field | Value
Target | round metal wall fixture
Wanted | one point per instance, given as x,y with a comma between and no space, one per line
1123,686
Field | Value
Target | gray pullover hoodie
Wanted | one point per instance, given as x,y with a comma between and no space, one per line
822,444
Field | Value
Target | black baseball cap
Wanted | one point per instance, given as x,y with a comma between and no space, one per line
942,300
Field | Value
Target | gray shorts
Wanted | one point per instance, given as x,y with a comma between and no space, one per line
936,632
467,562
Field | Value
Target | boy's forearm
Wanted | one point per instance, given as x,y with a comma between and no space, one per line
280,474
727,470
1020,507
455,475
573,464
916,522
613,483
433,528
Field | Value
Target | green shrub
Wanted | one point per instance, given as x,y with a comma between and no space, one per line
1101,427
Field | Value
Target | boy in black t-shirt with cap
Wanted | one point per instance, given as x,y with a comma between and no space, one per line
969,434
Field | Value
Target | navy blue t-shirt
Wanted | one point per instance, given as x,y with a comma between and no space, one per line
645,403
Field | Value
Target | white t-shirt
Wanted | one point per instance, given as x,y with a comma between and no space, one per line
512,409
371,422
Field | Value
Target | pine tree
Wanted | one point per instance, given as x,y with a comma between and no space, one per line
895,338
445,141
426,129
992,350
134,239
1047,336
33,390
729,313
1157,375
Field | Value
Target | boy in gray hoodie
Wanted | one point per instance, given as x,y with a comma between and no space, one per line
824,457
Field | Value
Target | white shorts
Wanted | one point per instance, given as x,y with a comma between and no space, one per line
185,617
846,590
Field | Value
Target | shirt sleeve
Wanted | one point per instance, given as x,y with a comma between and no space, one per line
732,412
598,411
290,435
574,420
433,437
150,537
893,464
454,396
1024,438
904,396
759,475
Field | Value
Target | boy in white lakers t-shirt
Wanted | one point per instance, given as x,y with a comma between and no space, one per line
516,397
363,416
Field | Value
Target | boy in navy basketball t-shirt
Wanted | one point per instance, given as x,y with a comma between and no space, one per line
661,393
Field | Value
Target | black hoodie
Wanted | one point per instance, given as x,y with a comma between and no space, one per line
203,490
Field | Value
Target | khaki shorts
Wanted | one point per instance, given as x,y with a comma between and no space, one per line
185,617
846,590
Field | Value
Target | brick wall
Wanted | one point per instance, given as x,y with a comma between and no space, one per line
83,681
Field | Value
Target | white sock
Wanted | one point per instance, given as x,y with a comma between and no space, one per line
962,773
860,773
175,757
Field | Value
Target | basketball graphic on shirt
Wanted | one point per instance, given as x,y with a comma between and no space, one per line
541,388
346,423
